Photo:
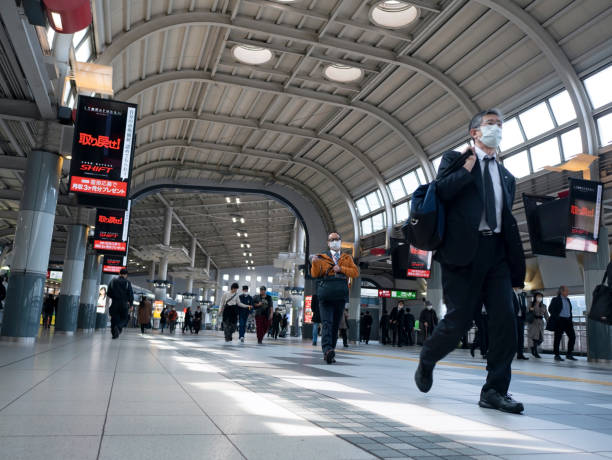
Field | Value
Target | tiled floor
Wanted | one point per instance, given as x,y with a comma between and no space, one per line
89,397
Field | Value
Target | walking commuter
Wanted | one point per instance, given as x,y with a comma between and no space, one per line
367,326
520,310
397,324
332,269
145,312
48,309
343,327
316,319
428,320
384,327
276,323
482,259
284,325
562,322
172,319
230,302
535,323
263,313
188,322
197,320
361,328
243,313
122,296
409,326
163,318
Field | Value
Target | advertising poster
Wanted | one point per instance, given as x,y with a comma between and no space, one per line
111,234
419,263
308,309
102,152
102,299
113,264
584,215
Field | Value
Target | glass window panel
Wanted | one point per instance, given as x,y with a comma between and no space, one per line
461,148
236,277
362,206
226,277
604,126
378,222
83,52
436,162
536,121
259,279
270,279
572,143
373,201
50,36
247,278
562,107
511,135
410,182
225,289
401,213
598,87
545,154
518,164
421,175
70,102
78,36
366,226
397,190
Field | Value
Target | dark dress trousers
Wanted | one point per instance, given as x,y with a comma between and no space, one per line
561,325
520,310
476,270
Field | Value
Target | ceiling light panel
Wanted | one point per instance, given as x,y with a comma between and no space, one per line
252,55
393,14
343,73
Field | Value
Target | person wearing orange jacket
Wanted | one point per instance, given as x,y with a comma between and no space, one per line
332,270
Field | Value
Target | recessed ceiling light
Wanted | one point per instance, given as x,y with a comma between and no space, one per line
393,14
252,55
343,73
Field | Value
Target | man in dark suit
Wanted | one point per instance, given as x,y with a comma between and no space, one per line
520,310
561,317
482,259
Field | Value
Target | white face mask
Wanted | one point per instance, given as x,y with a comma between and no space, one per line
429,307
335,245
491,135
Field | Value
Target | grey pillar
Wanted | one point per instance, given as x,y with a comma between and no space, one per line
152,275
87,303
434,288
32,245
354,309
70,290
192,263
599,336
160,293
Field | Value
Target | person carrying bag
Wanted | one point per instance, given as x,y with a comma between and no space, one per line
601,306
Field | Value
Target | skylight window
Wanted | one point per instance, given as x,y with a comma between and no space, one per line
536,121
401,213
545,154
343,73
562,107
252,55
397,190
604,126
518,164
598,87
410,182
393,14
511,135
572,143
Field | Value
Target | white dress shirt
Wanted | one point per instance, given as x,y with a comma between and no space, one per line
497,189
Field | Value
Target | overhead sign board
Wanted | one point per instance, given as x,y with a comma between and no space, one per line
419,263
114,264
584,215
397,294
111,234
102,152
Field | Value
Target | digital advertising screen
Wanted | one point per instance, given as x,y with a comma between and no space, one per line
584,215
419,263
111,233
113,264
102,152
308,309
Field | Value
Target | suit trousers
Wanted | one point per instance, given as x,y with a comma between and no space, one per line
564,325
331,311
520,335
484,281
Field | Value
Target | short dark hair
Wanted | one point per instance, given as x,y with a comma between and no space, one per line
235,286
245,287
123,271
263,288
477,119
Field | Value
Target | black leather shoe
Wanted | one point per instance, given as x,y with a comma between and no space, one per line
491,399
558,358
570,357
522,357
423,377
329,356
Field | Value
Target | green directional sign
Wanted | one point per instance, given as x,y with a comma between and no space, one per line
408,295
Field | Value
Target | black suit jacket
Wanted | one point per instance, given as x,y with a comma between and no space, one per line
556,305
519,304
462,193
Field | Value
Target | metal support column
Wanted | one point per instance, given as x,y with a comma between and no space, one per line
72,278
160,293
87,304
32,246
192,263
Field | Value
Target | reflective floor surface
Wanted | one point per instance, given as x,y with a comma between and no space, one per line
157,397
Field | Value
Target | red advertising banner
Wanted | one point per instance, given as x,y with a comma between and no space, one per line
111,233
102,152
419,263
308,309
584,215
113,264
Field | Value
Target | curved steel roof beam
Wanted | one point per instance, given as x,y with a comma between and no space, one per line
284,129
322,208
551,49
266,155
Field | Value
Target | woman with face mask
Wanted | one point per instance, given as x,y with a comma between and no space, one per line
535,329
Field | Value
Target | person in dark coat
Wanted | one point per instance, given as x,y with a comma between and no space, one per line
122,296
145,311
197,320
263,313
428,320
367,326
398,323
48,309
163,318
188,322
361,328
316,319
561,322
520,309
384,327
409,326
277,318
243,313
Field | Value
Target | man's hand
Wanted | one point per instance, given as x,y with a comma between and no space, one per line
471,160
425,323
337,269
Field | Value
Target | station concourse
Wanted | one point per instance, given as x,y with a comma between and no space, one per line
172,170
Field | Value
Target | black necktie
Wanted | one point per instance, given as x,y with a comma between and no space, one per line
489,196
